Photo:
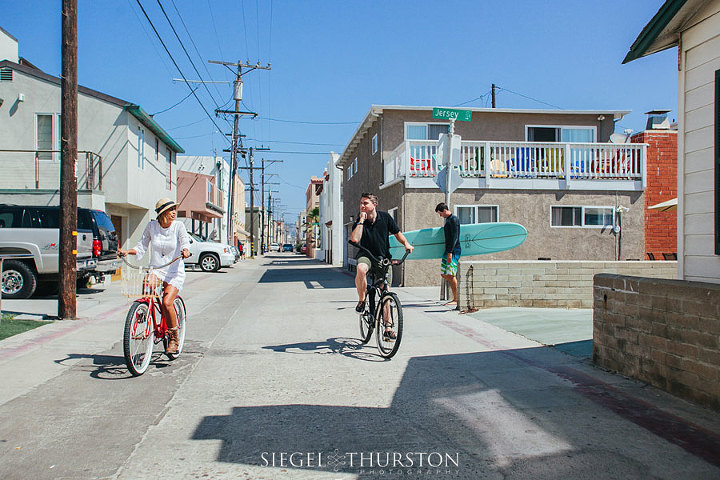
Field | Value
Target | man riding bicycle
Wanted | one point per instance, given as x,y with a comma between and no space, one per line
372,230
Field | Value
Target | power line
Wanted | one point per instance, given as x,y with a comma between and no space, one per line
186,52
529,98
476,98
176,65
308,123
195,46
178,103
296,143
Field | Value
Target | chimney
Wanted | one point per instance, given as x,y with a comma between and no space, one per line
8,47
657,120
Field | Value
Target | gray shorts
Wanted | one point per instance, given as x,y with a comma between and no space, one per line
366,261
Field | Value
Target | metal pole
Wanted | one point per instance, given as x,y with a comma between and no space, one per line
252,208
262,210
67,303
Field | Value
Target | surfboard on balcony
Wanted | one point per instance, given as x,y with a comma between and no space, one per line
475,239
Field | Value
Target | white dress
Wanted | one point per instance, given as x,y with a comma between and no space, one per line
165,244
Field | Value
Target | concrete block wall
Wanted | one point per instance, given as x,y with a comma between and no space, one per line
553,284
663,332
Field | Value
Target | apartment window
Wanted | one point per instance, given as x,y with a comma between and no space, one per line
209,191
141,148
374,144
425,131
168,169
157,149
551,133
350,171
47,135
393,212
355,168
468,214
583,217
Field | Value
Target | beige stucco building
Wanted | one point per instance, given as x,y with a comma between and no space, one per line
552,171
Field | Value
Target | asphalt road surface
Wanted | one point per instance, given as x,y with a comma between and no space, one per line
274,383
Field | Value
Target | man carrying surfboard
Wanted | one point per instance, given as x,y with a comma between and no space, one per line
372,230
449,264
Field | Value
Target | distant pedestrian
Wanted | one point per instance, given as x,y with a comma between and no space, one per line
451,256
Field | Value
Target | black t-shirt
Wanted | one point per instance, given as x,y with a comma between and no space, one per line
375,236
452,235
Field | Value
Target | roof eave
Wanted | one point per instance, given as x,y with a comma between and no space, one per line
645,43
137,112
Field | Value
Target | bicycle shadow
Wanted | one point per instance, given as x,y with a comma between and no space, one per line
108,367
348,347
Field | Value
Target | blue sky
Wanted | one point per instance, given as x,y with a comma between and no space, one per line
331,60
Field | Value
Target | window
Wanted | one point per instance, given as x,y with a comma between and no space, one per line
141,148
47,135
588,217
168,169
468,214
355,168
352,169
425,131
209,191
374,144
393,212
157,149
549,133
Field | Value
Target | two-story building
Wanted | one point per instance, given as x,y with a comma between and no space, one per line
331,212
553,171
202,196
126,160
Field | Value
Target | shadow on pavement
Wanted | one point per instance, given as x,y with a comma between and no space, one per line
111,367
474,415
312,277
349,347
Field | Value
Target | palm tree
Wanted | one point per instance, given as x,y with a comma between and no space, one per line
312,219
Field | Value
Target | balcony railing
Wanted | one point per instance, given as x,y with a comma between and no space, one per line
565,162
40,169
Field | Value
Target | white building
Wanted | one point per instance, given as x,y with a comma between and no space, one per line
126,161
331,210
693,26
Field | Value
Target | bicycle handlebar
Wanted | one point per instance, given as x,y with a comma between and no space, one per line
382,261
137,267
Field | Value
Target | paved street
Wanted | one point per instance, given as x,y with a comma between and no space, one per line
273,383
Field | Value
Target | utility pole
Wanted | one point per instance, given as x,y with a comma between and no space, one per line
237,96
67,303
493,95
262,200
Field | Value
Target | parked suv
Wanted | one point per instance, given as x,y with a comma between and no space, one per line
209,255
34,232
105,240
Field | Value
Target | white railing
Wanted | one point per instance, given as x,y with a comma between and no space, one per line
40,169
587,161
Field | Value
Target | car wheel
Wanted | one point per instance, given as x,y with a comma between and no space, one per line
18,280
209,262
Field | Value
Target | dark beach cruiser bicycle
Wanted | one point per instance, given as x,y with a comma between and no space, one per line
383,310
145,324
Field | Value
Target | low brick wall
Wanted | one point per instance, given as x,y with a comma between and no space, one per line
556,284
663,332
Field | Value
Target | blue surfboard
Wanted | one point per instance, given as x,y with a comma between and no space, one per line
475,239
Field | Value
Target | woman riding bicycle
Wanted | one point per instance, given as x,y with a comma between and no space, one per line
168,239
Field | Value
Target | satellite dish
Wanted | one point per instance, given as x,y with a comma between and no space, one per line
619,138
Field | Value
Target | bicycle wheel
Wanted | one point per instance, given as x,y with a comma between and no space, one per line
367,323
390,324
138,338
181,323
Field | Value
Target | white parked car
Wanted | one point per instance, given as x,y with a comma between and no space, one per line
274,247
209,255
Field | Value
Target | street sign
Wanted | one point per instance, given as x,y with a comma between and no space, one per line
455,180
452,114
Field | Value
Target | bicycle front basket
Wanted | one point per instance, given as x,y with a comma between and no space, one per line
139,282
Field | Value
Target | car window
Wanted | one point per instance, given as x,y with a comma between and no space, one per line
83,220
47,218
103,220
11,217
